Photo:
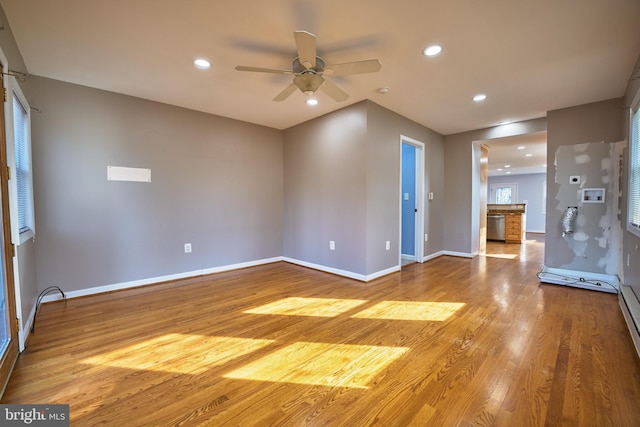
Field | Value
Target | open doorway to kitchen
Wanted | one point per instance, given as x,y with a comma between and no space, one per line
516,176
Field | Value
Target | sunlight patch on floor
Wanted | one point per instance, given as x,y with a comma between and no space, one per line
411,310
178,353
502,256
332,365
297,306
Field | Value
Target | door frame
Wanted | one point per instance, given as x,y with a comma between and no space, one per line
420,216
9,357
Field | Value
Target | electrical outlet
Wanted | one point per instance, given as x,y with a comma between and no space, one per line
387,245
332,245
187,248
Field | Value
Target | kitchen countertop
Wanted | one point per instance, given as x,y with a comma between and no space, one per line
516,208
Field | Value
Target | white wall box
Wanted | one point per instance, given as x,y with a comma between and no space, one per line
593,195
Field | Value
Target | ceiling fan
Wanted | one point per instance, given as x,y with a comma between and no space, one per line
308,70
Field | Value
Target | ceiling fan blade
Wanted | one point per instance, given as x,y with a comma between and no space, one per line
263,70
334,91
306,45
286,92
358,67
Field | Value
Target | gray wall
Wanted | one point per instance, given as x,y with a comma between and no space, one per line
530,188
461,177
342,183
576,128
325,190
216,183
385,129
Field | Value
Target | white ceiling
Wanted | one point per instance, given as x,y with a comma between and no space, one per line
517,155
527,57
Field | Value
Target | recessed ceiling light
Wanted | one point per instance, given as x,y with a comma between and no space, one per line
508,172
432,50
522,147
499,169
480,97
202,63
507,166
312,101
528,155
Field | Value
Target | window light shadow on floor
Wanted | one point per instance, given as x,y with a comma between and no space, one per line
297,306
178,353
333,365
410,310
502,256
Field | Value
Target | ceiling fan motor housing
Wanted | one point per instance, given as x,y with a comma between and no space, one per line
298,68
308,80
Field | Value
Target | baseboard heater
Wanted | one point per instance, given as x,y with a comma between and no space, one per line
580,279
630,306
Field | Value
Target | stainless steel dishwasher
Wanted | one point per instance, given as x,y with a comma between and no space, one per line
495,227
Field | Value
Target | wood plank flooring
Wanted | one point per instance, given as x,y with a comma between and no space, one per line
452,342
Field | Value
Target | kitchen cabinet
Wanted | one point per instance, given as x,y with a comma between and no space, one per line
514,228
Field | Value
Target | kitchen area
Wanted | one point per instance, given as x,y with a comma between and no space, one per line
506,222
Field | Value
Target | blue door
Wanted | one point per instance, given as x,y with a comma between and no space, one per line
408,200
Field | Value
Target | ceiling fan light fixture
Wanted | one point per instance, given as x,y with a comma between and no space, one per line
480,97
312,102
308,82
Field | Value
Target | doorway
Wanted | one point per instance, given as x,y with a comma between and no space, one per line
411,200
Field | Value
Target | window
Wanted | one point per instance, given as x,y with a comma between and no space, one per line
634,175
503,193
21,184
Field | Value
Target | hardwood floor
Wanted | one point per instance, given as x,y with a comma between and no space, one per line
452,342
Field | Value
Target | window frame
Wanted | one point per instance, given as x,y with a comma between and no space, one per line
18,237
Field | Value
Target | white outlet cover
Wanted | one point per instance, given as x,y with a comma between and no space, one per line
574,179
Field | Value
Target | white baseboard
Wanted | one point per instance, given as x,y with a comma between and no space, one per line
630,307
159,279
344,273
580,279
25,330
195,273
433,255
459,254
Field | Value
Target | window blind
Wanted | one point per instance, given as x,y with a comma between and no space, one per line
23,167
634,172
